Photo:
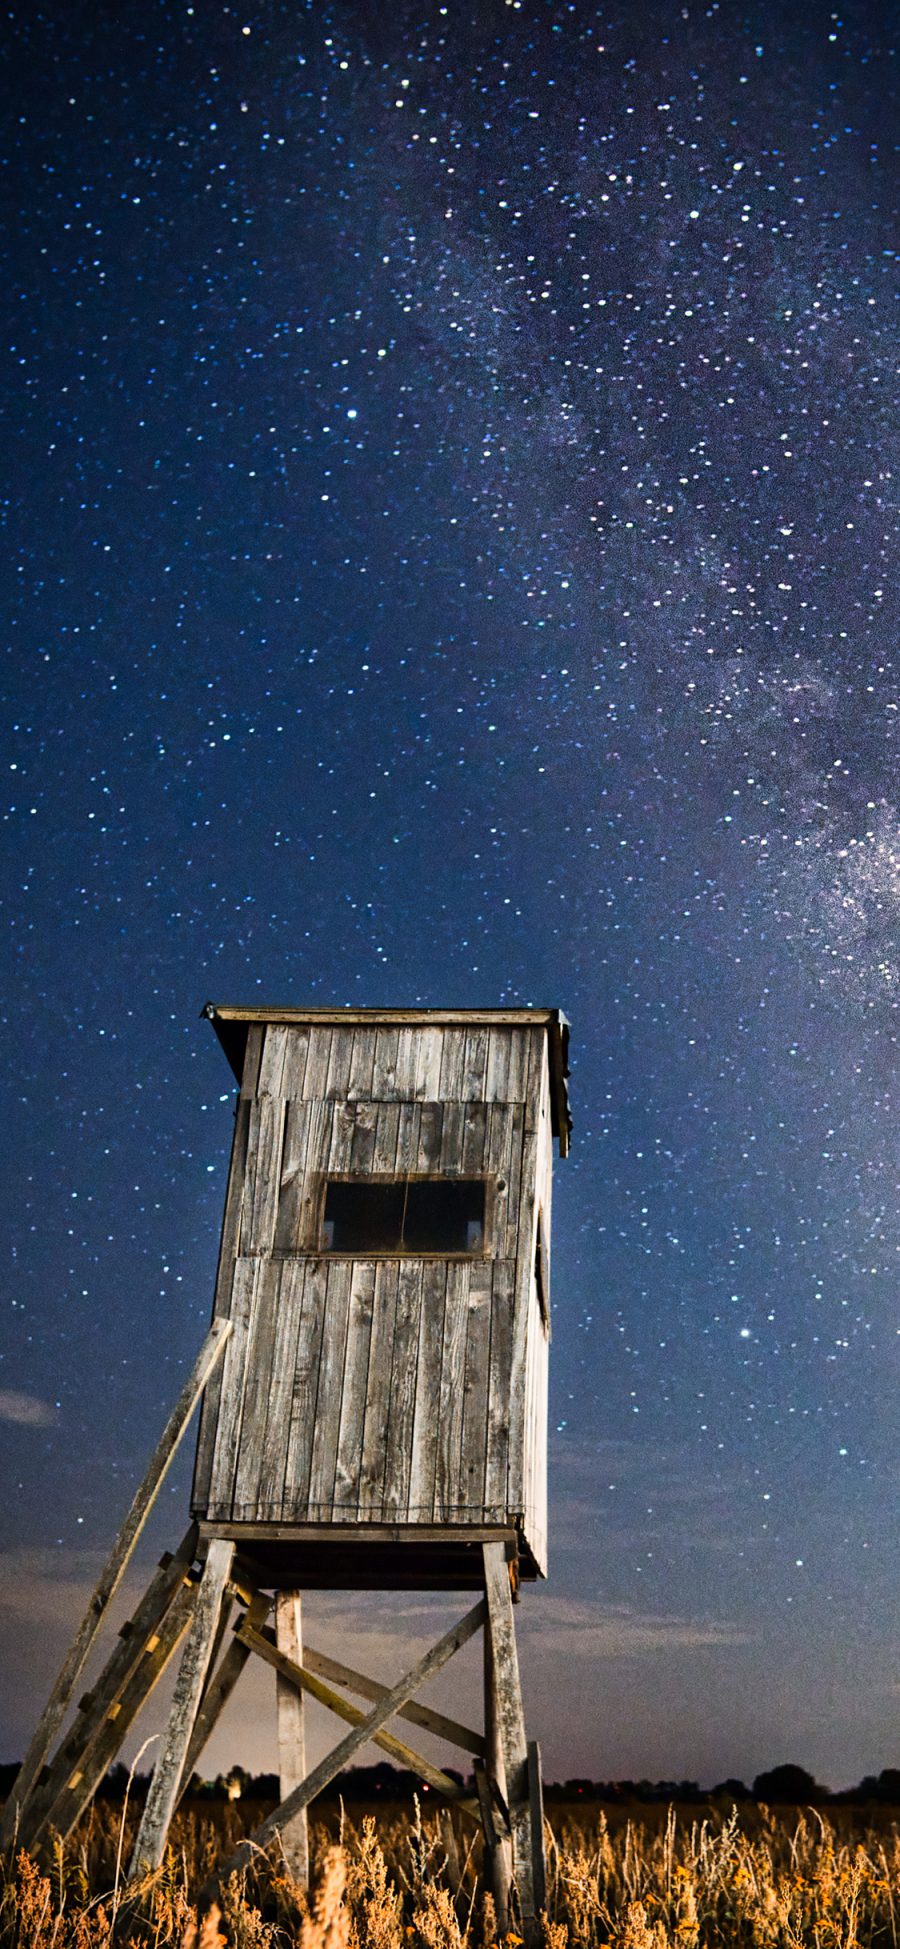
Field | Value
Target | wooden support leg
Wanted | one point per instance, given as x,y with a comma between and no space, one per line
511,1729
497,1851
220,1686
291,1735
162,1797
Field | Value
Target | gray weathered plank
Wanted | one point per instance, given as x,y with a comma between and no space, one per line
384,1070
447,1484
323,1042
384,1152
452,1127
430,1125
404,1366
428,1392
295,1059
224,1458
453,1056
111,1575
475,1064
257,1388
407,1056
378,1392
340,1756
408,1126
294,1173
252,1058
162,1794
499,1401
473,1446
331,1369
337,1081
474,1140
362,1148
304,1389
278,1402
428,1065
362,1061
274,1057
347,1407
496,1082
262,1179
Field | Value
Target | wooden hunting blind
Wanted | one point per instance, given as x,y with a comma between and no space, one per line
381,1407
374,1412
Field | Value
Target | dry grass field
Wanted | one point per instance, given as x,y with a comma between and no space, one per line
398,1881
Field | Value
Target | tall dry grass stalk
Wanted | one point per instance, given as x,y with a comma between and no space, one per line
408,1883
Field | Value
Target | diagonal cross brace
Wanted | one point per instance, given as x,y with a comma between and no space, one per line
322,1775
306,1681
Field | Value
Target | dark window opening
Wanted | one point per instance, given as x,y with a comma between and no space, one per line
440,1215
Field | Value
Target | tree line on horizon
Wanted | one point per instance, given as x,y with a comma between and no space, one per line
784,1785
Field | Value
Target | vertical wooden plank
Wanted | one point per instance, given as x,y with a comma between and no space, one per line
474,1140
296,1053
292,1175
475,1064
318,1060
408,1126
362,1062
257,1388
511,1727
304,1391
228,1429
263,1175
162,1795
514,1195
252,1058
524,1282
536,1808
338,1077
348,1404
384,1071
497,1159
428,1392
498,1852
473,1448
279,1397
404,1365
384,1150
378,1392
496,1087
291,1733
272,1063
343,1131
497,1451
453,1054
430,1126
519,1051
407,1051
447,1484
428,1065
452,1127
331,1368
362,1147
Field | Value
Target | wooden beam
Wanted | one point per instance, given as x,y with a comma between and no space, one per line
108,1582
322,1775
74,1792
218,1689
94,1707
291,1731
300,1678
511,1731
162,1796
498,1853
418,1715
536,1806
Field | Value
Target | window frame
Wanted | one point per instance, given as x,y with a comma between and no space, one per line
312,1245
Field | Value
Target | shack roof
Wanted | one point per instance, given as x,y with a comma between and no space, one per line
231,1026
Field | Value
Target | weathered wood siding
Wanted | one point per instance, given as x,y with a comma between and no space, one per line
397,1390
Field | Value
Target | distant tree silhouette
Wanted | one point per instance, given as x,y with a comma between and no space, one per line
732,1790
787,1785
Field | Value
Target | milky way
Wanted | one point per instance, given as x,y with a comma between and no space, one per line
451,493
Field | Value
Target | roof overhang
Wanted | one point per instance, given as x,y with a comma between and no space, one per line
232,1025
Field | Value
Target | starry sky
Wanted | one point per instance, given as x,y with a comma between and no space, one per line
450,466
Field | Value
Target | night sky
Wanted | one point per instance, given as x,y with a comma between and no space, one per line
450,483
